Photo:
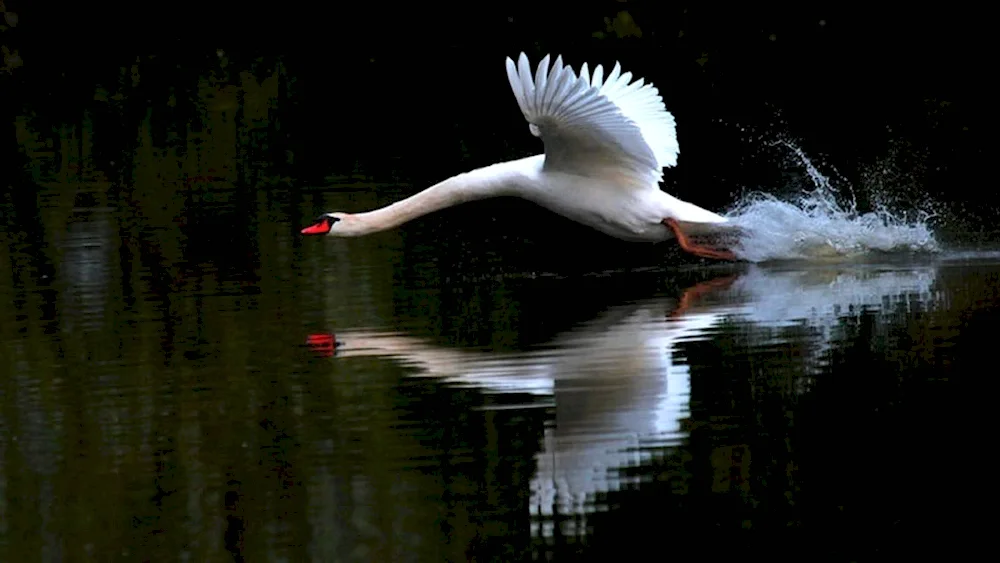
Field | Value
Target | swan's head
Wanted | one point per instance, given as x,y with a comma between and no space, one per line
334,224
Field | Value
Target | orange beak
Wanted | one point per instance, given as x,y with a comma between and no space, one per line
320,228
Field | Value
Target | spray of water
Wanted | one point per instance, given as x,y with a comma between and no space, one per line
815,225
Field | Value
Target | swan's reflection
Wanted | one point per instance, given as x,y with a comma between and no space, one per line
616,381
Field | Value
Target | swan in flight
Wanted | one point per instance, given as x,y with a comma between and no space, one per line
606,142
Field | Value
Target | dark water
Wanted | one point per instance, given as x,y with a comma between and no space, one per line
159,402
507,386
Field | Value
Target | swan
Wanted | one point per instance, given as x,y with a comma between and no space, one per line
606,142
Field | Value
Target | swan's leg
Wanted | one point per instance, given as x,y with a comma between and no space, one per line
692,294
697,249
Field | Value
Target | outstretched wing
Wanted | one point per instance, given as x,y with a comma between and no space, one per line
587,122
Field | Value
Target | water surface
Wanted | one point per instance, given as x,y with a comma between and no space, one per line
159,401
184,377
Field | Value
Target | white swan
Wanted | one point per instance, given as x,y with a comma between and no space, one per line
606,143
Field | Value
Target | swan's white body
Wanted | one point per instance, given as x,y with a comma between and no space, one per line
606,143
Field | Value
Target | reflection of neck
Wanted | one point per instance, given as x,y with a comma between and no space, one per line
491,181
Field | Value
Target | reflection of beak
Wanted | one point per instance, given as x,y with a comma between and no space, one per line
325,345
320,228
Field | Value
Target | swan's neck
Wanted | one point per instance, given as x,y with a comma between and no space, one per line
501,179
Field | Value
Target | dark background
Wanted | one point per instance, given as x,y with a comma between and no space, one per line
421,92
415,94
418,84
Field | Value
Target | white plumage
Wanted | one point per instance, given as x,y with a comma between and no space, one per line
577,115
606,142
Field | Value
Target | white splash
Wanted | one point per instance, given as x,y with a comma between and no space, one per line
817,226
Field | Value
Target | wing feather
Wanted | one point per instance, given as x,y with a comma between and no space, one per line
585,119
